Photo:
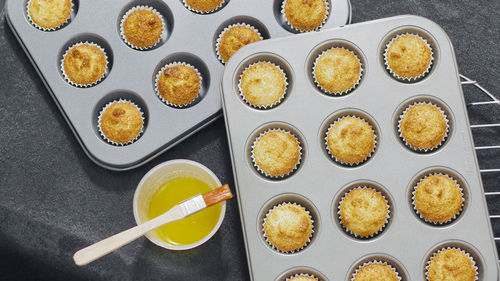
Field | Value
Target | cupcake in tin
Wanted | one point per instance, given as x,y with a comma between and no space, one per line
233,38
305,15
408,57
263,85
337,71
84,64
142,27
451,264
203,6
178,84
302,277
363,212
120,122
438,198
288,227
276,153
49,15
375,270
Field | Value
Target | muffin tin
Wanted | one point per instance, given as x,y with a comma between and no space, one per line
189,37
407,242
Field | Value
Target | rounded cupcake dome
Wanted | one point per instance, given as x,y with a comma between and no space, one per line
305,15
263,85
121,122
203,6
302,277
233,38
178,84
142,27
376,270
451,262
84,64
49,14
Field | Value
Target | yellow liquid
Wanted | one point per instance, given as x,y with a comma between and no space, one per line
188,230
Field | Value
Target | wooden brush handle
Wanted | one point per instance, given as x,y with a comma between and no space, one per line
217,195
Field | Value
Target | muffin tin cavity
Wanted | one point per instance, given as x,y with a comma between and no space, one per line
265,57
161,8
289,198
301,270
391,261
74,12
280,17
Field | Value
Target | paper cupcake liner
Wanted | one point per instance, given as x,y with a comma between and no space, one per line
451,248
343,92
102,112
424,218
276,248
269,106
408,79
347,163
426,150
301,275
327,13
375,262
158,78
32,22
66,77
357,235
138,8
252,155
203,12
217,43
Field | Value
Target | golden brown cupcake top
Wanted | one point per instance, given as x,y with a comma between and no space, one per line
438,198
276,153
423,126
85,64
364,211
409,56
305,15
302,278
49,14
203,6
288,227
234,39
179,84
142,28
376,272
121,122
263,84
337,70
351,140
451,265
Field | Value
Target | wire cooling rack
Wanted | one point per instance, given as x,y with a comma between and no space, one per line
490,155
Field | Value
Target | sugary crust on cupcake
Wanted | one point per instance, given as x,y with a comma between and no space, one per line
288,227
337,70
302,277
305,15
143,27
203,6
376,271
121,122
276,153
438,198
451,265
409,56
363,212
350,140
234,38
84,64
179,84
263,84
423,126
49,14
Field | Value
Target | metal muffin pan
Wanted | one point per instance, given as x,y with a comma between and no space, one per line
407,242
131,73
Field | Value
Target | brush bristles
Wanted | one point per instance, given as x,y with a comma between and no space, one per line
217,195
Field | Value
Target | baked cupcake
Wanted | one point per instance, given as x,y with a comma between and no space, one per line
263,85
350,140
120,122
337,71
302,277
178,84
233,38
408,57
276,153
363,212
84,64
451,264
438,198
49,14
423,126
305,15
142,27
375,270
288,227
203,6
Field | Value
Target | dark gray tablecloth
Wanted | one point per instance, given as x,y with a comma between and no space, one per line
54,200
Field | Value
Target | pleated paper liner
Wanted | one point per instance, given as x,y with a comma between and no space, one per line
327,13
451,248
90,84
32,22
217,44
298,275
158,78
102,112
135,9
